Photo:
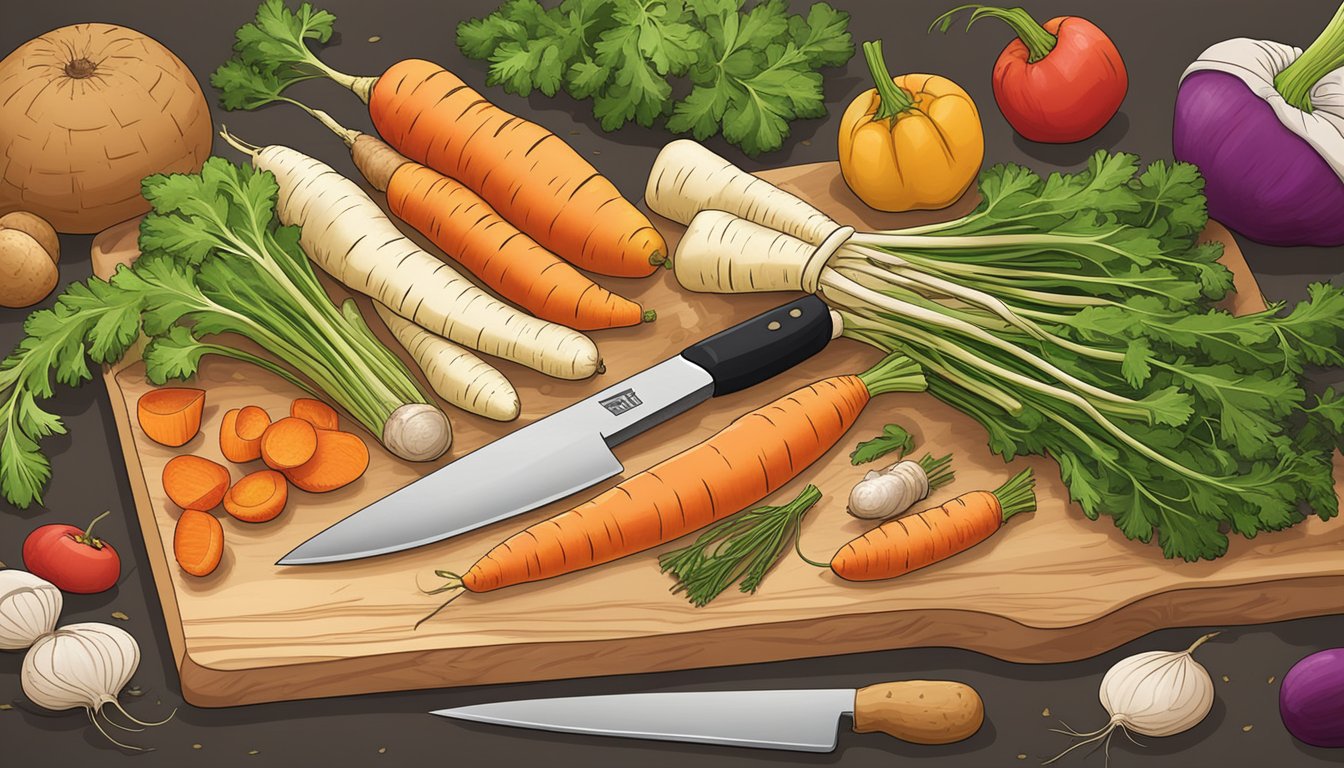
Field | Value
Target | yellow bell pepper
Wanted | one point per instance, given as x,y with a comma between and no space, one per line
912,142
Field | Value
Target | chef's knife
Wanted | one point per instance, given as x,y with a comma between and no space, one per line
920,711
570,449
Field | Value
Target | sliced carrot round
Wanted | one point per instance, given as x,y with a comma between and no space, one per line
288,443
340,459
258,497
252,422
171,415
195,483
198,542
315,412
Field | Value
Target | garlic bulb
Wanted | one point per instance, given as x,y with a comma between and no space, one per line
83,665
1157,693
29,608
80,665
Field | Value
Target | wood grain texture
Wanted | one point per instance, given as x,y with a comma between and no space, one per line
1054,586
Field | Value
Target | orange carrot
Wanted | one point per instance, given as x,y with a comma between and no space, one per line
240,434
315,412
171,415
258,497
525,172
746,461
906,543
339,460
288,443
198,542
506,260
195,483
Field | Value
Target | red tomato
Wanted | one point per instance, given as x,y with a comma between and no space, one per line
1068,94
71,558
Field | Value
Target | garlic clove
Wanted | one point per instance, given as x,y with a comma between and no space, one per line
80,665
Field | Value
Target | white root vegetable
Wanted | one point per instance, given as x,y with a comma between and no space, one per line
86,112
457,375
1157,693
721,252
687,178
349,236
891,491
77,666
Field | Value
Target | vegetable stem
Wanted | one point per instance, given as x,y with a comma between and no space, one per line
87,536
892,99
1017,495
1322,57
1038,41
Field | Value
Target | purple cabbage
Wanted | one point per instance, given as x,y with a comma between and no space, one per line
1261,179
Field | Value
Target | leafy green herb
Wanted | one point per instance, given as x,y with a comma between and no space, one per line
894,437
745,546
751,72
213,261
1084,326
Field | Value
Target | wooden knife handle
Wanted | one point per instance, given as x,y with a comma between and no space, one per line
919,711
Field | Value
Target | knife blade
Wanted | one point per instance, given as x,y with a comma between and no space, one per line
570,450
920,711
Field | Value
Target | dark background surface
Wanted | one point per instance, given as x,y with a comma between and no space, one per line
1158,38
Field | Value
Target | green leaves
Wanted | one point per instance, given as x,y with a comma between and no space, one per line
894,437
271,53
751,73
1204,427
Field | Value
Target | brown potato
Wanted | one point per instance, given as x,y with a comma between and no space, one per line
27,271
37,228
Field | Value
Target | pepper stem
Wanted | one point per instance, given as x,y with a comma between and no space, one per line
893,99
1039,42
1324,56
87,536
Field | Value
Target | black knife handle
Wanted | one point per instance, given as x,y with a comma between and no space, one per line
768,344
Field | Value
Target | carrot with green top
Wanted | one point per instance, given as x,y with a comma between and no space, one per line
525,172
907,543
743,463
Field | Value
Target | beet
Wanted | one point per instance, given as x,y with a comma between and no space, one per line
1311,699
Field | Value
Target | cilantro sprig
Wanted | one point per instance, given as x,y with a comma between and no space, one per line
751,72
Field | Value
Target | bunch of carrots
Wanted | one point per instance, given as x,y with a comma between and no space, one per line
307,449
504,197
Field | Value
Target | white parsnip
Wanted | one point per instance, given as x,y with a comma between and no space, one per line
457,375
349,236
688,178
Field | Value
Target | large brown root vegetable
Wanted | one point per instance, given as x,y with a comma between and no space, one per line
86,112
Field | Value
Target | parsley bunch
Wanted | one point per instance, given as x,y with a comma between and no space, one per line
214,261
750,72
1077,316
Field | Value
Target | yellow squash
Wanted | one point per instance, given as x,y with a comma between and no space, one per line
912,142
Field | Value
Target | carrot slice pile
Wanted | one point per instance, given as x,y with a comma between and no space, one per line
240,434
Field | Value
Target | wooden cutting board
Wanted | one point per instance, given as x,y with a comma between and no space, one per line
1053,586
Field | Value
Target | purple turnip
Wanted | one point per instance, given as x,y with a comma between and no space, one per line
1265,124
1311,701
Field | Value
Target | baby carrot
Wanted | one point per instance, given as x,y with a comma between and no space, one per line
906,543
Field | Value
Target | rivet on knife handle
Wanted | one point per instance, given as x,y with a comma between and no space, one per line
919,711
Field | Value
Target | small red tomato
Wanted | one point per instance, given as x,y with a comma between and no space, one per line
71,558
